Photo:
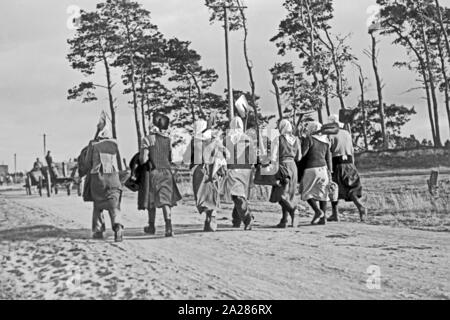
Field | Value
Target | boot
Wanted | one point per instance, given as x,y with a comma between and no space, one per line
150,229
282,224
319,215
207,227
249,222
169,231
98,236
236,219
118,233
335,215
213,223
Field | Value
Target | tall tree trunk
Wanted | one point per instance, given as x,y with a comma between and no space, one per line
143,93
111,107
432,88
278,96
379,91
337,69
363,108
312,50
249,68
423,70
430,108
200,95
443,29
133,80
326,94
191,103
444,75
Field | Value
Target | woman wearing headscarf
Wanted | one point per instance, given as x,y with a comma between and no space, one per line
104,186
316,178
286,152
205,153
242,157
345,173
163,192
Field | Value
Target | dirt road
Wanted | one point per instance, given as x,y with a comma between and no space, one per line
46,253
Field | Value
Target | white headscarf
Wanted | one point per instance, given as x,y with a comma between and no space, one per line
236,131
286,130
334,118
105,133
312,129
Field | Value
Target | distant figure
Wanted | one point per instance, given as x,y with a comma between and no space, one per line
163,191
37,165
49,159
103,186
1,180
345,173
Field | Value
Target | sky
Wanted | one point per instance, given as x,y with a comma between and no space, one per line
35,74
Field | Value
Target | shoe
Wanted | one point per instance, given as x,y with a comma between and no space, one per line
333,218
151,230
236,225
98,236
169,231
281,225
322,221
363,214
118,233
319,215
248,224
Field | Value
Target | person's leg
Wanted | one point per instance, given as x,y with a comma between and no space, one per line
167,211
362,210
323,207
241,206
236,219
98,223
116,225
151,228
284,218
210,222
318,213
335,212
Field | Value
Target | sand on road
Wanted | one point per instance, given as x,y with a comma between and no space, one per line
46,252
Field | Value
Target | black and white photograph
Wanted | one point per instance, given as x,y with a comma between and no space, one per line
245,152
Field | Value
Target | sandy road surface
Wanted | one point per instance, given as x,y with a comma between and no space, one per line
46,253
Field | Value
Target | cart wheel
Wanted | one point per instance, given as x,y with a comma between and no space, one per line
40,186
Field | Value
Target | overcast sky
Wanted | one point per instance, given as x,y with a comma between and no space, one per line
35,75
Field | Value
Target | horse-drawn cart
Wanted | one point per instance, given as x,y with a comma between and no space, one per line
51,181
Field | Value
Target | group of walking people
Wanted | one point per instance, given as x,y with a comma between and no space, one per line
320,166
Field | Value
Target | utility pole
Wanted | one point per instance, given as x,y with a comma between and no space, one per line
15,167
45,144
225,8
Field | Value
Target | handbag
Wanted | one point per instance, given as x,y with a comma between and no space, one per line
263,176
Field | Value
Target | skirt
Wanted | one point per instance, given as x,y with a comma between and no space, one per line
348,180
206,192
163,189
315,184
237,183
105,191
288,170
